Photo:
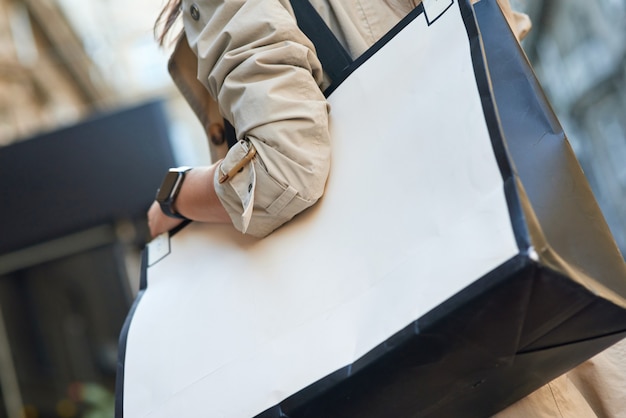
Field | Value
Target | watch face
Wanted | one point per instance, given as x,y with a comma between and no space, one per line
168,186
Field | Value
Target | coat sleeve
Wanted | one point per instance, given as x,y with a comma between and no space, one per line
265,75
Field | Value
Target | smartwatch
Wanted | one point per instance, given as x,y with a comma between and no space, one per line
166,195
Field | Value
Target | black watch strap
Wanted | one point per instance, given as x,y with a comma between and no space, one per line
168,209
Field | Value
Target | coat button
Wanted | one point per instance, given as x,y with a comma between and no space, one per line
195,12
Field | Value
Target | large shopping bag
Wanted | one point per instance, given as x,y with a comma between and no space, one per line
457,261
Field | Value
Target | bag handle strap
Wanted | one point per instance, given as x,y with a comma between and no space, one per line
333,56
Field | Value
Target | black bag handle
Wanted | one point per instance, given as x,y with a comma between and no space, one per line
333,56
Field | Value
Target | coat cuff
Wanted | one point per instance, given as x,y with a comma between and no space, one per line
256,203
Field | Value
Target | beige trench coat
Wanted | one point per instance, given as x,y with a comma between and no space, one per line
251,58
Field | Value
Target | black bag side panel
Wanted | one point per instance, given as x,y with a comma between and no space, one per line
559,193
560,314
541,366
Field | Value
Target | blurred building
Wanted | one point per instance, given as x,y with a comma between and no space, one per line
62,300
75,77
46,78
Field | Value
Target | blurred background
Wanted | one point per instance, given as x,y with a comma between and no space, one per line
90,121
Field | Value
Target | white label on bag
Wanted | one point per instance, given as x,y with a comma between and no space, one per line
435,8
158,248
